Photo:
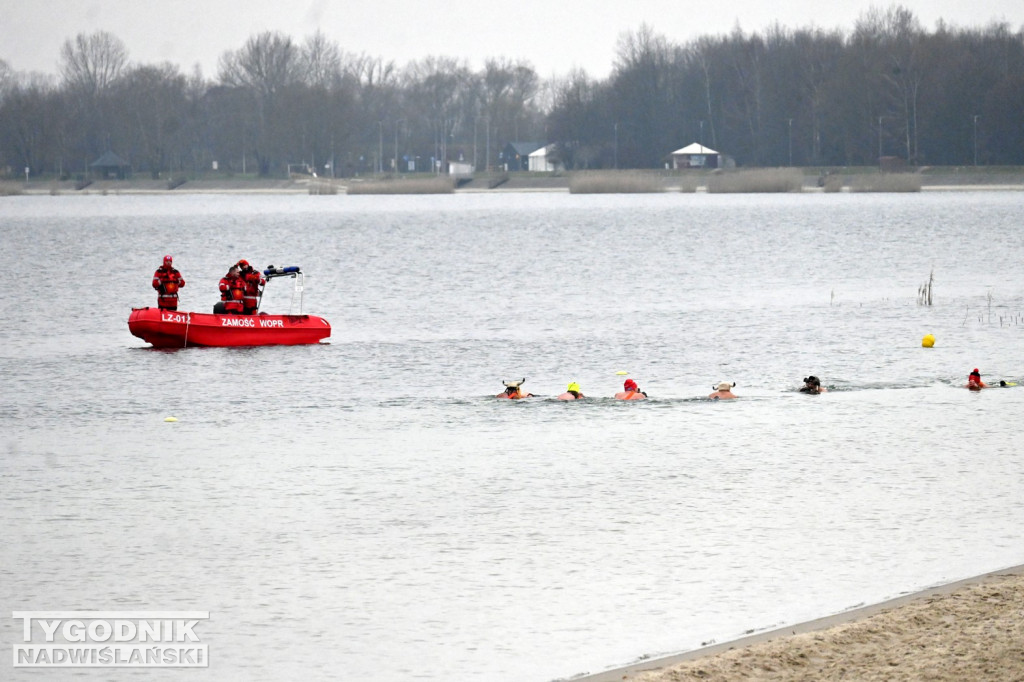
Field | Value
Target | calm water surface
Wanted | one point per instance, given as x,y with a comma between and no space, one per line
362,509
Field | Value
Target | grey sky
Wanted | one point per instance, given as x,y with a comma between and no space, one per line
554,35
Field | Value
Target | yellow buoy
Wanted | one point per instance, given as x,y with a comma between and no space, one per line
928,341
170,419
622,371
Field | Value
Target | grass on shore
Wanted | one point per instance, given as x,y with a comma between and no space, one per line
886,182
434,185
757,180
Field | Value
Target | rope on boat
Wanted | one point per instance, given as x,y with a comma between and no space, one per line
188,320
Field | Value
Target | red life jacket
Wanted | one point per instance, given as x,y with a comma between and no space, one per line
167,281
232,291
251,299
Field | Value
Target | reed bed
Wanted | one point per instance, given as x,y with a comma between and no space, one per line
434,185
689,183
615,182
9,189
756,181
886,182
833,183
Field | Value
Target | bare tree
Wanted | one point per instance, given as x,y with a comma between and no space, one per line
266,64
153,102
507,89
443,90
92,62
320,61
265,68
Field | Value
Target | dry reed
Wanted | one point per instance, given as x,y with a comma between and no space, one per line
833,183
435,185
924,292
689,182
615,182
760,180
886,182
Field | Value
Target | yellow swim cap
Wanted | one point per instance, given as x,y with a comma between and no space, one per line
573,386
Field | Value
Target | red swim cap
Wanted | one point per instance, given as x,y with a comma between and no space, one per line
629,385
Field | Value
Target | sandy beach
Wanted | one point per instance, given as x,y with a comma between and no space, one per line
969,630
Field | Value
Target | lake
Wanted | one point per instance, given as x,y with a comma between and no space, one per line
364,509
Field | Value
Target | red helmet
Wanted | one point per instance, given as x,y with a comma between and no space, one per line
629,385
168,260
243,263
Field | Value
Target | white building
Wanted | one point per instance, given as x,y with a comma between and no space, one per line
539,161
460,169
696,156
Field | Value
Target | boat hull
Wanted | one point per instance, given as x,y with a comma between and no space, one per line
179,329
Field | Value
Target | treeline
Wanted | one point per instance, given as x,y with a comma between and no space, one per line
276,105
951,96
805,97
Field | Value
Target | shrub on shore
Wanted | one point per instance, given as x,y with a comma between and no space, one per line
760,180
886,182
434,185
615,182
9,189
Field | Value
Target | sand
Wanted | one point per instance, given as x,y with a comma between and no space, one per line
970,630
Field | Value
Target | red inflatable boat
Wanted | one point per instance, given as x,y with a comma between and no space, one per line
181,329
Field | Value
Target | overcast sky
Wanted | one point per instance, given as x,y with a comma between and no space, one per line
554,35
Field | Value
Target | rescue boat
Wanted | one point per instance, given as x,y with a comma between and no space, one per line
182,329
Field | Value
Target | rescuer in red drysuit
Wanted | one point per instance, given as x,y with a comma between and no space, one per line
232,291
167,280
251,293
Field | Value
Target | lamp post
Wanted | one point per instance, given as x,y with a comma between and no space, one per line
790,142
394,166
616,160
880,139
976,117
380,147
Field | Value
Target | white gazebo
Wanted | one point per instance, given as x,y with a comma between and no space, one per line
695,155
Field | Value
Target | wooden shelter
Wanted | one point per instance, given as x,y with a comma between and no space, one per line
110,166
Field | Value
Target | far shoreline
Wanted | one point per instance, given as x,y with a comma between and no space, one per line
932,179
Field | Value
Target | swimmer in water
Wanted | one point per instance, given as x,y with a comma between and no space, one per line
723,391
